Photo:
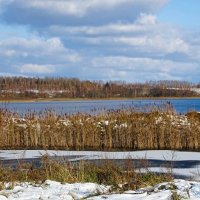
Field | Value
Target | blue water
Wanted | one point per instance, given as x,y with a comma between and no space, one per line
180,105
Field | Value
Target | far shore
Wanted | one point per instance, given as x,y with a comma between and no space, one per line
89,99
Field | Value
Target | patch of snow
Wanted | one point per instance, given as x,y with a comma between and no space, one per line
177,120
197,90
91,191
53,190
124,125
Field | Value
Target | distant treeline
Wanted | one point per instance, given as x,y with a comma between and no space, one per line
22,87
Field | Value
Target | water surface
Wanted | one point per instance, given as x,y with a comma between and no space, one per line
180,105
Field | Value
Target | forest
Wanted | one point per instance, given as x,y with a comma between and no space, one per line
33,88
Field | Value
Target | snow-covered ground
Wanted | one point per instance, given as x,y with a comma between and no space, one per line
52,190
188,162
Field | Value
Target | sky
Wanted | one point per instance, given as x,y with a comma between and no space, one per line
127,40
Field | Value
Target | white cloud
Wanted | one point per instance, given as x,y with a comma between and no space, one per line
8,53
139,69
96,30
144,23
144,35
35,56
50,45
36,69
146,19
37,48
145,65
158,44
10,74
81,7
97,39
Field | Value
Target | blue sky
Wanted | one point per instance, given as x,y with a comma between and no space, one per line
183,13
129,40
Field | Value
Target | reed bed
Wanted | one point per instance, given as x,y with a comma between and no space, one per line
107,173
127,129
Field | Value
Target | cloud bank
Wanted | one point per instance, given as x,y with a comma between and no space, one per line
95,39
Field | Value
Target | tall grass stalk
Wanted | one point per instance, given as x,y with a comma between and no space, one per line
113,130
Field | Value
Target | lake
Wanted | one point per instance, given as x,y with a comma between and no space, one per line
180,105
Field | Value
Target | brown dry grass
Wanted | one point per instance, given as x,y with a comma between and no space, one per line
107,172
112,130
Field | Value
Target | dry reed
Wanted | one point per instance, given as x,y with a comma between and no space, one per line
113,130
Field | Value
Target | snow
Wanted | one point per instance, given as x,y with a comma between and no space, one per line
53,190
197,90
91,155
92,191
59,191
177,120
192,173
165,195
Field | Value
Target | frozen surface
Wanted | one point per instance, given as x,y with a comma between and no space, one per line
56,191
91,155
188,166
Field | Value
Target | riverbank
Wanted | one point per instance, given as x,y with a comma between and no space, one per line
89,99
65,178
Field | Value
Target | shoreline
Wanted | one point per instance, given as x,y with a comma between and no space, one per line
89,99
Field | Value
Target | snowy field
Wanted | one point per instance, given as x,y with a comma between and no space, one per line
56,191
188,162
